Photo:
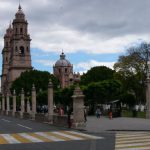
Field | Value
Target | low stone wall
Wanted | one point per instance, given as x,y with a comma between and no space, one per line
40,117
17,114
1,112
4,112
60,120
10,113
57,119
26,115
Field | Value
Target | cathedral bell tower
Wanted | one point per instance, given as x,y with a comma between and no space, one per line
18,57
6,55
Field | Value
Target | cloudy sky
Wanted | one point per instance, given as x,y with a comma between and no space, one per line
90,32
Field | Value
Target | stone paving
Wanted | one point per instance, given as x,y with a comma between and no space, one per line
103,124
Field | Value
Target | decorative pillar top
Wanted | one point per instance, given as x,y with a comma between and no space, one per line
33,87
14,92
78,91
22,91
50,84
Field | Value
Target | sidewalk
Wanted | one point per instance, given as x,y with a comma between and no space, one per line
102,124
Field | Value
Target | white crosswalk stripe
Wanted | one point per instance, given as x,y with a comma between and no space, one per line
27,136
132,141
10,139
69,136
53,138
34,137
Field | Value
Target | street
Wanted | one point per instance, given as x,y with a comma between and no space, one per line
16,134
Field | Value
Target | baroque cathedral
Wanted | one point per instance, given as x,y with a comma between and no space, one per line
16,56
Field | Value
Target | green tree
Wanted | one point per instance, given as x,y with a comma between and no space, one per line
63,96
39,78
102,92
97,74
131,70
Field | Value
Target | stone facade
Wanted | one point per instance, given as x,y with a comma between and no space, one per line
63,70
16,52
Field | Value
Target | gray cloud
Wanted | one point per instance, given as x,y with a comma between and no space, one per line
101,19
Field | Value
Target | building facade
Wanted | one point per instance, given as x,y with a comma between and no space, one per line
63,70
16,57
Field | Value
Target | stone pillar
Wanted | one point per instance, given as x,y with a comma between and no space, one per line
148,98
28,107
33,102
14,103
3,103
50,102
22,103
78,108
0,105
8,104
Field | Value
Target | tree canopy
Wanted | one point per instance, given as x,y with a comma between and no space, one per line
97,74
39,78
132,68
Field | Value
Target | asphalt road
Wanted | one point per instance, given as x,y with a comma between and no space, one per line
19,134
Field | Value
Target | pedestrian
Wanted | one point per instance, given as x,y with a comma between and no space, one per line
98,112
61,111
110,114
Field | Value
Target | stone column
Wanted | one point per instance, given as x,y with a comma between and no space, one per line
33,102
22,103
148,98
28,107
14,103
3,103
0,105
78,108
50,102
8,104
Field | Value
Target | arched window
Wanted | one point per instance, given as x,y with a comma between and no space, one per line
21,30
16,48
59,70
27,49
21,51
16,30
65,70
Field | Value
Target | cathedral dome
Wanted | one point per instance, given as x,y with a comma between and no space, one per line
62,62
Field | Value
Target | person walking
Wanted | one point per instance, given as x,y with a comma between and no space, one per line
110,114
98,112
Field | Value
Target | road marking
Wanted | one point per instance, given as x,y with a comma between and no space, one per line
59,136
40,137
34,137
6,120
132,141
21,138
27,136
24,126
68,136
85,135
10,138
3,140
51,137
